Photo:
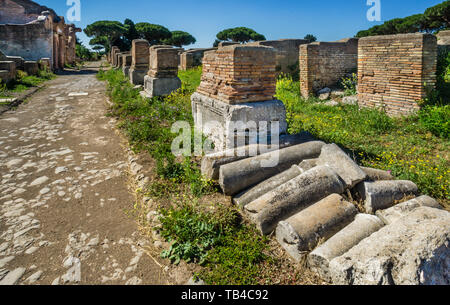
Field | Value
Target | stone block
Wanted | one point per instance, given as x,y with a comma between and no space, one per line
293,196
237,176
161,86
10,68
303,231
362,227
411,251
396,212
380,195
31,67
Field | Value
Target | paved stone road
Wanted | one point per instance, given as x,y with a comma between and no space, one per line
63,192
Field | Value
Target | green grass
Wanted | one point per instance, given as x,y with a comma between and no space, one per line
24,82
405,146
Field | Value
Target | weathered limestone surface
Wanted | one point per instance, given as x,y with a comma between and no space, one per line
126,63
342,164
394,69
294,196
381,195
211,163
443,38
411,251
393,214
374,174
266,186
303,231
323,64
362,227
237,176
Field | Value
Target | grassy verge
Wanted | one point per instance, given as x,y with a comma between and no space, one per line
200,230
409,147
24,82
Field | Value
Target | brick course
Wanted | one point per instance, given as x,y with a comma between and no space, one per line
394,71
323,64
239,74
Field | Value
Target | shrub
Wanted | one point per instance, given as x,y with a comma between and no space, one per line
436,119
349,84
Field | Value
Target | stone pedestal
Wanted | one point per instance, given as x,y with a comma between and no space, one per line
140,60
160,86
216,118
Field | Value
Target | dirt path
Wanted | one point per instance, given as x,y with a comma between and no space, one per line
63,192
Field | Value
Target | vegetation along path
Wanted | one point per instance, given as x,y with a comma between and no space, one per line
63,192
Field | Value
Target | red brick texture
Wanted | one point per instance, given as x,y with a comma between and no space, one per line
324,64
239,74
396,71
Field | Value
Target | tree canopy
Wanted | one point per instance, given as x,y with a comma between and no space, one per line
240,34
310,38
154,33
179,39
434,19
108,30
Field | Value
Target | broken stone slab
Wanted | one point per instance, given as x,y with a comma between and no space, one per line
12,277
237,176
211,163
342,164
362,227
374,174
266,186
393,214
293,196
380,195
324,94
350,100
411,251
303,231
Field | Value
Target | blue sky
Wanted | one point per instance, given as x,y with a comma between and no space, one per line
327,19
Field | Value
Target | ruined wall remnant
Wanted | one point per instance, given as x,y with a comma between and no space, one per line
7,71
237,85
323,64
162,77
394,71
192,58
286,55
140,51
239,74
443,38
32,31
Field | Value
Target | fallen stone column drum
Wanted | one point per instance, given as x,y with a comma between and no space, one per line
381,195
411,251
393,214
211,163
293,196
303,231
266,186
362,227
237,176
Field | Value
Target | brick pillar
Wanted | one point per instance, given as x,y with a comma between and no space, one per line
238,85
396,71
139,65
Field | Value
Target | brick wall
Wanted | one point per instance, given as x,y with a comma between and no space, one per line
286,53
323,64
192,58
394,71
239,74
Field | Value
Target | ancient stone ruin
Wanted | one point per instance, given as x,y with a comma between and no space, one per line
396,71
162,77
323,64
286,55
140,52
127,58
32,32
192,58
237,85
